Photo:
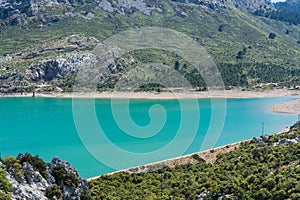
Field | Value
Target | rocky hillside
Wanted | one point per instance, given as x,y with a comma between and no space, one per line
15,11
45,43
246,5
29,177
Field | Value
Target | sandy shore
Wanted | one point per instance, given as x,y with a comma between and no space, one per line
167,95
292,107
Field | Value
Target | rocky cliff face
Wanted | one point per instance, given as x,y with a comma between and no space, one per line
9,8
44,71
45,75
51,72
58,68
13,12
31,7
32,184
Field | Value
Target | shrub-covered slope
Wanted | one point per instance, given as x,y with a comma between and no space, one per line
264,168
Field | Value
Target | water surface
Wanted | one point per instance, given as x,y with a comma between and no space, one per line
45,126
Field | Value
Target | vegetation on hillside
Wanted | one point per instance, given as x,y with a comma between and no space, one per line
5,186
239,42
265,168
288,11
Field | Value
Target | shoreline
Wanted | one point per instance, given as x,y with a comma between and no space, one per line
209,156
291,107
166,95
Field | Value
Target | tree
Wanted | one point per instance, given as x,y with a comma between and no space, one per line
287,31
5,185
241,53
176,65
37,163
262,194
85,195
221,28
53,191
272,35
4,196
243,80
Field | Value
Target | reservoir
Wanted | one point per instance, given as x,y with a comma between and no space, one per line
110,135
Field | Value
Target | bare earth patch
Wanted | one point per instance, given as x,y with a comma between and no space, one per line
168,95
292,107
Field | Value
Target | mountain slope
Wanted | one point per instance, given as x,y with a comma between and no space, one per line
237,40
288,11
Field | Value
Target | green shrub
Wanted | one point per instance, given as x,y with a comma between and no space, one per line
62,176
4,196
71,180
15,165
37,163
53,191
58,172
5,185
85,195
198,158
248,172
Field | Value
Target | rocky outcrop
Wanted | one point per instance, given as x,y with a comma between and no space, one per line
201,196
17,11
247,5
9,8
288,141
29,184
40,75
29,8
69,192
51,73
285,138
14,12
58,68
125,7
33,177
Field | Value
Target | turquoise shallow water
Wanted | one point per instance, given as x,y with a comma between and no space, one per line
46,126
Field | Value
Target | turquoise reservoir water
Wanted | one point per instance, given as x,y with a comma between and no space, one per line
46,126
